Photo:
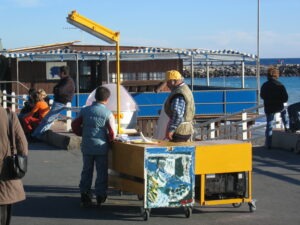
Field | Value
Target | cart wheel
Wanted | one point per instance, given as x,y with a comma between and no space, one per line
297,149
146,214
188,212
252,206
140,197
236,205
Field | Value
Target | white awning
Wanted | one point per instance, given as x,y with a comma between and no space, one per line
134,54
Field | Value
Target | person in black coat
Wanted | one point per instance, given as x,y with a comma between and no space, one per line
274,95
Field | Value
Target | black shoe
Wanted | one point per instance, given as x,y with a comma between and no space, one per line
86,200
268,146
101,199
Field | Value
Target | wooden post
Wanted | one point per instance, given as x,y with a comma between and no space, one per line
244,126
4,99
69,116
13,101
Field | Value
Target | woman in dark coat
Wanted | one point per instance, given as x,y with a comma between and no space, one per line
274,95
11,191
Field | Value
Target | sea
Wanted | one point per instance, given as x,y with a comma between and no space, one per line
292,84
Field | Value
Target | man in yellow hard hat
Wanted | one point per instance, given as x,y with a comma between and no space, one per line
179,107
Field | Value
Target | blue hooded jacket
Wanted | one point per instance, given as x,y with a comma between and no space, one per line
95,129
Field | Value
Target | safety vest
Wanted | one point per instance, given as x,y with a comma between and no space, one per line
186,127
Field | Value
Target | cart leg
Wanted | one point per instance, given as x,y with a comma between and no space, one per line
187,212
145,213
236,205
140,197
252,205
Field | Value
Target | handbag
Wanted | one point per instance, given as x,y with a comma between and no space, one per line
77,126
16,164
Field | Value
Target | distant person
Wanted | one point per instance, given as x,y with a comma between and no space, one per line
11,191
45,96
294,117
98,130
28,104
63,93
179,108
41,108
274,95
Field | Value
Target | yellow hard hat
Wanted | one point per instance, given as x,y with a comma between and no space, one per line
173,75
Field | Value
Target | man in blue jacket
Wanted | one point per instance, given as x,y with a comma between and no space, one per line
98,130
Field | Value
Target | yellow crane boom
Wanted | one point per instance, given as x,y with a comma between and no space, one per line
93,28
104,34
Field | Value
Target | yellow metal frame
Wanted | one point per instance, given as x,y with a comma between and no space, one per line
210,158
93,28
226,158
127,159
104,34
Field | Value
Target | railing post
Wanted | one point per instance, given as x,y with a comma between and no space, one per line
69,116
24,99
13,101
244,126
277,120
212,131
4,99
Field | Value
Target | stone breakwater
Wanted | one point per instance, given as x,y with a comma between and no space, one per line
287,70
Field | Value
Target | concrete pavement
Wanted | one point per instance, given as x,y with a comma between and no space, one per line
53,196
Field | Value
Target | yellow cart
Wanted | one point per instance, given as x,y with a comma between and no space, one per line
210,158
160,174
224,158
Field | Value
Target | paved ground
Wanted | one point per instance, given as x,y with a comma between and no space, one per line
53,196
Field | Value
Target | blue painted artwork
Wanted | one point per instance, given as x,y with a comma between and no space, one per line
54,71
169,177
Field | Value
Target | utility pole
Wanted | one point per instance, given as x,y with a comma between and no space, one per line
1,46
257,55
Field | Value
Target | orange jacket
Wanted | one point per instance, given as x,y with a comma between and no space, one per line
41,107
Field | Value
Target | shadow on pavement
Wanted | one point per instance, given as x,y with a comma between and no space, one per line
276,158
64,202
42,146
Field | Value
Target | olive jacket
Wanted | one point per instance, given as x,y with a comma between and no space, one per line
11,191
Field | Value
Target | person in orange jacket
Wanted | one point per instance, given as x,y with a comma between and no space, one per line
32,119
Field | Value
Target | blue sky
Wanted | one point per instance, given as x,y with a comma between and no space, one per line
207,24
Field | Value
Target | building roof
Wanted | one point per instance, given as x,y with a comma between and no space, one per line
69,51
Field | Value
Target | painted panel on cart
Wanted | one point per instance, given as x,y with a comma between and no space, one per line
169,177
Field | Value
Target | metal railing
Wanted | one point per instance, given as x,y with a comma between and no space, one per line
247,125
18,82
12,101
242,125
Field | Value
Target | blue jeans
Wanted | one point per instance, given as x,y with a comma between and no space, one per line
101,163
47,121
5,214
269,125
